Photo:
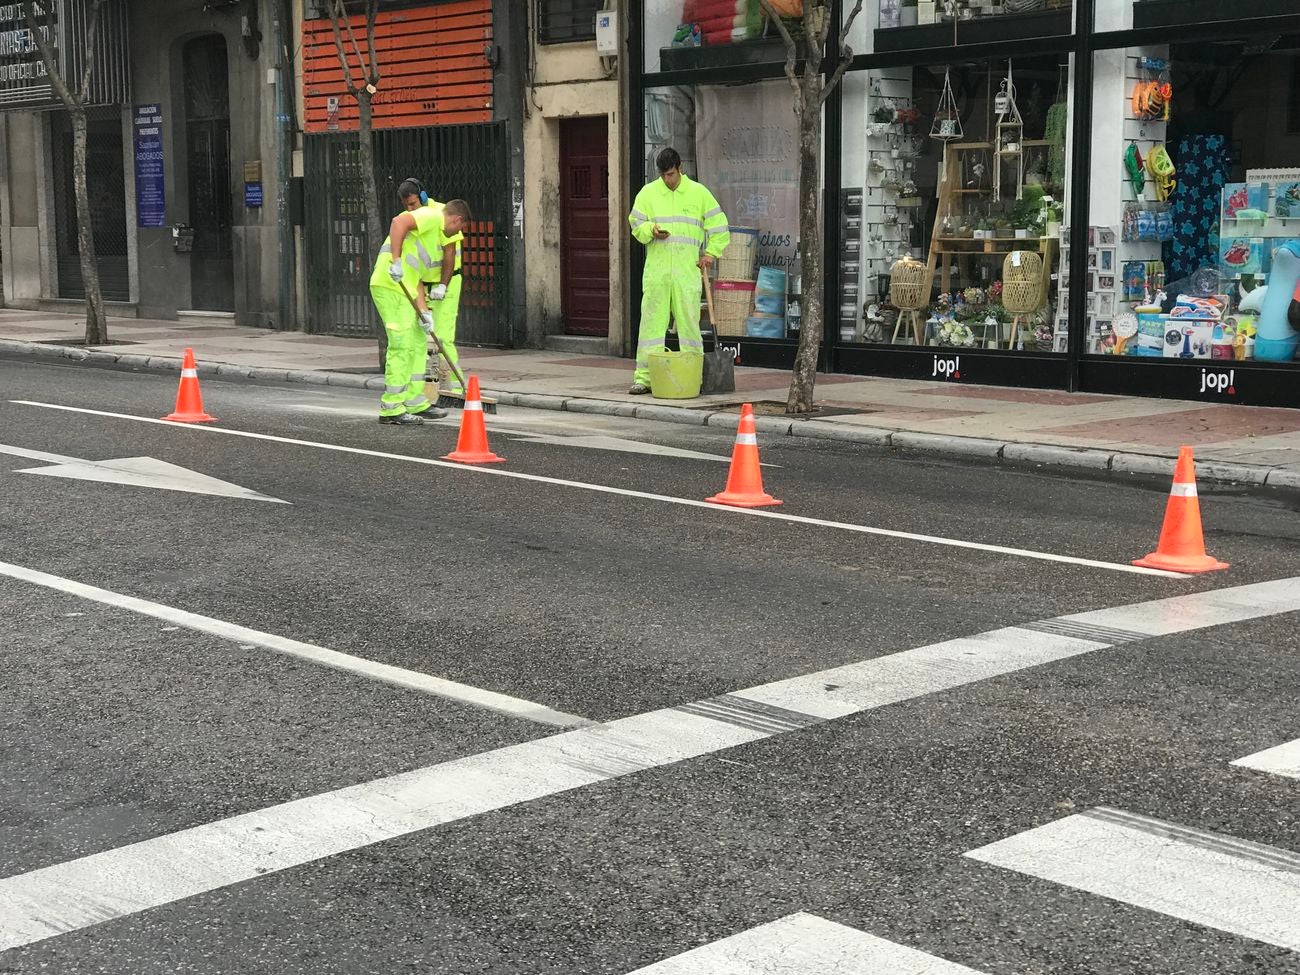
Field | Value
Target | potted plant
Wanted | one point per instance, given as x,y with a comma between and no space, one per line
882,114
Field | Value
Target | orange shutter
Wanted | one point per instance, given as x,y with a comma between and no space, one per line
432,63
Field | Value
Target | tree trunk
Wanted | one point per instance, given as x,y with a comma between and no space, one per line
96,318
366,140
804,376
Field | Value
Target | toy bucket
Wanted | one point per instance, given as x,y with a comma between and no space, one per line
676,375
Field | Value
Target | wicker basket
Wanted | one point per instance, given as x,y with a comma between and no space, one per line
738,259
733,306
1022,282
909,285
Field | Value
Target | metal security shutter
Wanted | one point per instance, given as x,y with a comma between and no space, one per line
559,21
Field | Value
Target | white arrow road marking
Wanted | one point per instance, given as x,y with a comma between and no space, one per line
600,442
79,893
145,472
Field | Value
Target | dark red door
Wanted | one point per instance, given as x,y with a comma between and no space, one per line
584,225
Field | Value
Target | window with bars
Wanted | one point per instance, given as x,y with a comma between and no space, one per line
559,21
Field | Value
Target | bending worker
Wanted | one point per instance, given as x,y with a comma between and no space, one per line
444,286
684,231
406,257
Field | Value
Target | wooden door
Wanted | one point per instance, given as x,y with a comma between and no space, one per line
584,225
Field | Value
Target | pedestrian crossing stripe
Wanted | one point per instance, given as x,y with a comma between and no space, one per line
804,944
1221,882
80,893
1282,760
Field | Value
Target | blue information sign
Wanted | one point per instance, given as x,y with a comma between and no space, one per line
252,194
150,193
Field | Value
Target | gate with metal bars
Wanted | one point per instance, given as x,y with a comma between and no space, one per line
106,183
470,162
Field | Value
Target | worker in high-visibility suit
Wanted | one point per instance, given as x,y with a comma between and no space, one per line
684,230
444,279
404,260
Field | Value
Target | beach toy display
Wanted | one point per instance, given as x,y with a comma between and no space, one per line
1275,339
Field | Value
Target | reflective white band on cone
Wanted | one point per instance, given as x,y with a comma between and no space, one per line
474,405
747,439
189,374
1183,491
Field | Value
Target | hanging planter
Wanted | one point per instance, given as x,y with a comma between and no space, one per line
1010,137
947,121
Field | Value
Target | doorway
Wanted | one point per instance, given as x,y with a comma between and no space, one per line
584,225
207,150
106,187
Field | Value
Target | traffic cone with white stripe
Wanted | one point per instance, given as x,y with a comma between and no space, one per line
189,401
472,445
1182,542
745,479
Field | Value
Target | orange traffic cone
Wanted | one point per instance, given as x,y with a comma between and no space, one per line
1182,543
745,479
472,445
189,401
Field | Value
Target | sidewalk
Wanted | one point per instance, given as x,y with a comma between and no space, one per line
1253,445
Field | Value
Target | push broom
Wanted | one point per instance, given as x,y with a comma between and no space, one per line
455,401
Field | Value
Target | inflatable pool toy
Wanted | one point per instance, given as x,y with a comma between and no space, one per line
1276,340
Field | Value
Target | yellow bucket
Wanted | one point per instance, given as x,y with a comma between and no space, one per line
676,375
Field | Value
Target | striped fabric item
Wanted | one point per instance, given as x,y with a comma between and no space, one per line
724,21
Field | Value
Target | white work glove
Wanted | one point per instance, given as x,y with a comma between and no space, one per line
438,292
426,322
395,272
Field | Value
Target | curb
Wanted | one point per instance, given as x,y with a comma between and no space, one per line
1013,453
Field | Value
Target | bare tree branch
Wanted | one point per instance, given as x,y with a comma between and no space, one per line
336,13
816,20
356,48
791,54
372,14
83,91
43,45
845,53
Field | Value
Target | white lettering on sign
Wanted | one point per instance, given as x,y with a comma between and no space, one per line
948,368
732,350
1219,382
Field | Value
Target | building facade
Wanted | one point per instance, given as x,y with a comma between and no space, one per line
1096,195
182,164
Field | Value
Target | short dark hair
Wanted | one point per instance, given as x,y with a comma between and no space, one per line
457,208
409,187
668,159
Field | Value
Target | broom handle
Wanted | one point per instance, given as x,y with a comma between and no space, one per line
708,295
436,344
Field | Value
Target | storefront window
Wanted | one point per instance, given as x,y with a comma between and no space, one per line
1194,248
910,24
684,34
741,141
955,188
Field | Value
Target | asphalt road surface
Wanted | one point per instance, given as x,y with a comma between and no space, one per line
308,701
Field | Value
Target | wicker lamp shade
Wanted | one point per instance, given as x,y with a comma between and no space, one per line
909,291
1022,282
909,285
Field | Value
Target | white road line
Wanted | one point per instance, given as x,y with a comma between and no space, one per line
1282,760
80,893
1218,881
410,679
624,492
804,944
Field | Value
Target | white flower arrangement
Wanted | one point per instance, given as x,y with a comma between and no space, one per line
956,334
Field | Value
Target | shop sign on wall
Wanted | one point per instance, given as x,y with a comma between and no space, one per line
24,80
150,192
946,367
